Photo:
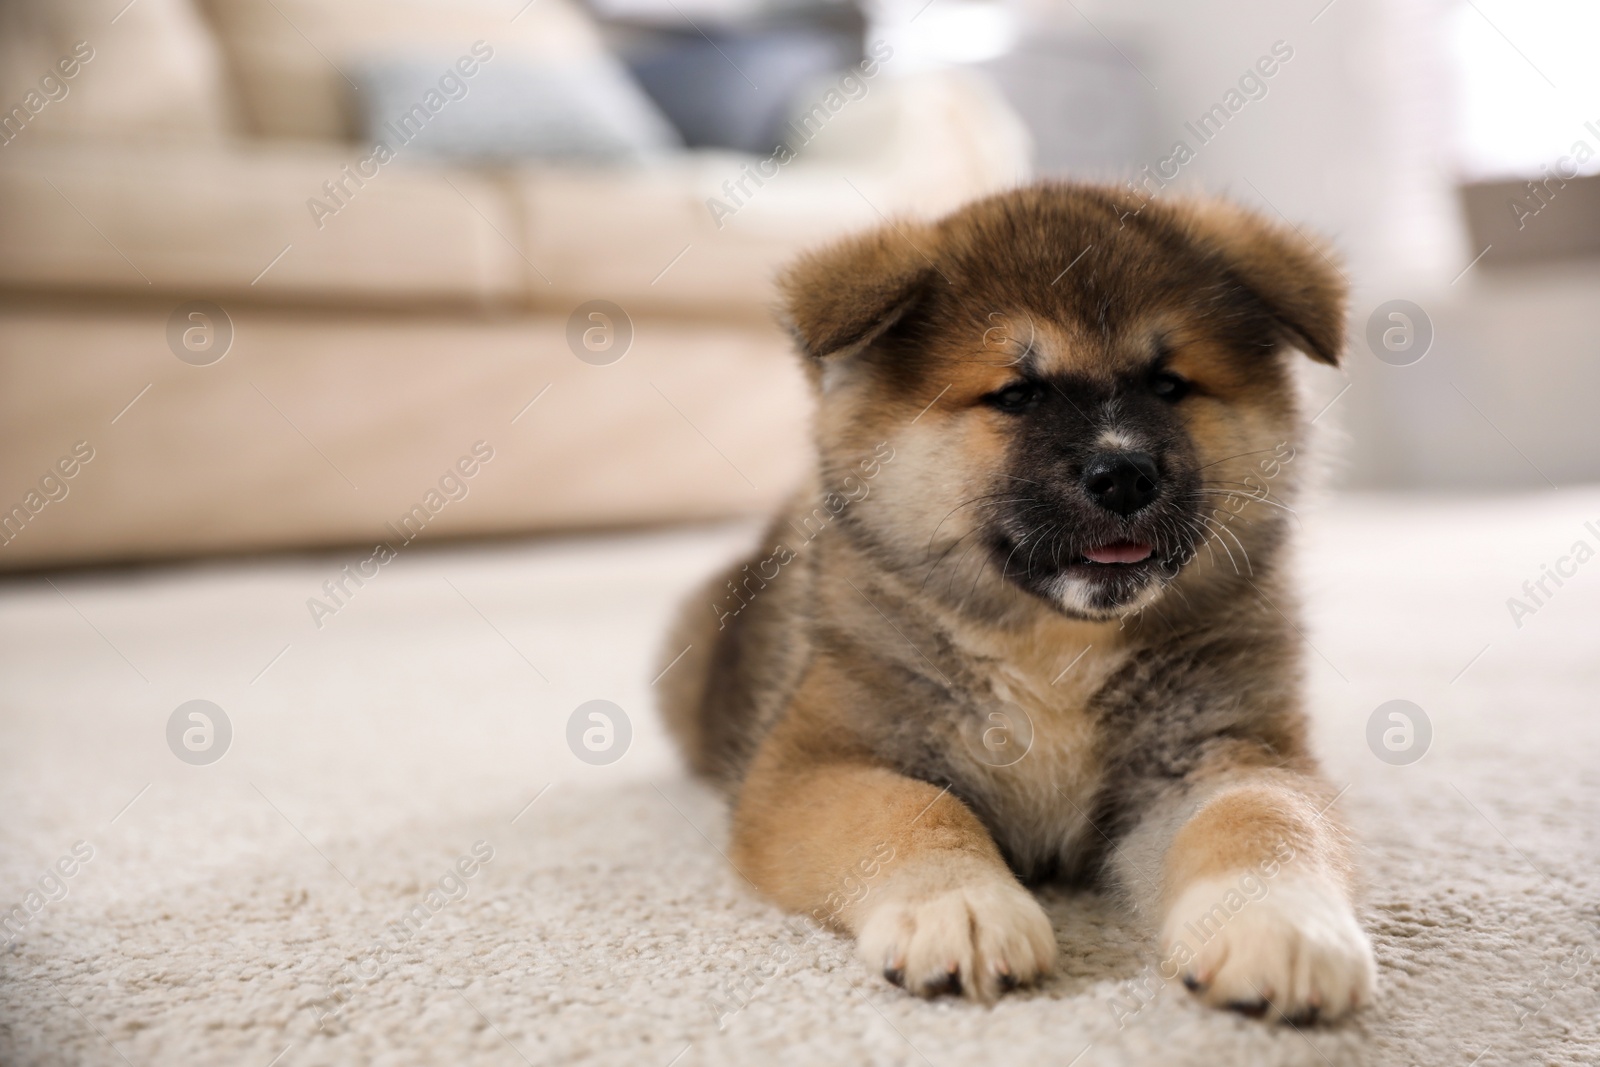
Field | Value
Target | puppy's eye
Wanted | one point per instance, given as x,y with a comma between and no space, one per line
1169,387
1014,398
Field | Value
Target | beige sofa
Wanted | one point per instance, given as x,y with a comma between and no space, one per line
369,354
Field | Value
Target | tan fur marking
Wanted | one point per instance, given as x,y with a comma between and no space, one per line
812,808
1245,825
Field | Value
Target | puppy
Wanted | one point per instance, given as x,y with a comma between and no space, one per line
1030,619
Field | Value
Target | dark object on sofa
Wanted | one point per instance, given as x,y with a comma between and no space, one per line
732,83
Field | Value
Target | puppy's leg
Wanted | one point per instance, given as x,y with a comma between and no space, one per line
1255,897
901,864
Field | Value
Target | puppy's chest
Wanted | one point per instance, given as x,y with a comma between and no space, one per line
1029,758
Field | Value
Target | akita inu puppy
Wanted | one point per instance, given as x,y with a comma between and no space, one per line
1030,619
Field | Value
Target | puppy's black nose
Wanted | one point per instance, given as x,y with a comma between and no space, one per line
1122,482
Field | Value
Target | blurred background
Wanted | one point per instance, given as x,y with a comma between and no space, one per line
274,261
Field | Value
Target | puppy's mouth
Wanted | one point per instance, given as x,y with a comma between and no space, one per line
1102,563
1116,554
1092,578
1116,570
1110,577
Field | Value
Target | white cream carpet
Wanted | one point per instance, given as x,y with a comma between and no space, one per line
222,901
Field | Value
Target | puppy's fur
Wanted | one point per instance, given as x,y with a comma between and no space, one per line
919,691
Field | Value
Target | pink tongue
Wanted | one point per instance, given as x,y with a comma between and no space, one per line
1122,552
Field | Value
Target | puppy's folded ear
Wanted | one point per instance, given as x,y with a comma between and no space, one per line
1295,280
844,296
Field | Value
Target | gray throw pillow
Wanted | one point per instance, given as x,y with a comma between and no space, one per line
581,111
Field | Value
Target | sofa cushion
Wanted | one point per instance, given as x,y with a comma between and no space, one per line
110,70
733,87
709,230
586,109
669,237
294,60
246,221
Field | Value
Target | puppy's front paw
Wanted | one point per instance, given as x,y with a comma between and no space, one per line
951,927
1294,952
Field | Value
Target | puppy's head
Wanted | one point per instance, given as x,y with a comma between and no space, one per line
1078,392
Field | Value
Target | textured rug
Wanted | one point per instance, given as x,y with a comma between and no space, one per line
399,857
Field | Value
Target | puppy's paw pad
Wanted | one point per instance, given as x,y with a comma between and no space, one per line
977,937
1294,952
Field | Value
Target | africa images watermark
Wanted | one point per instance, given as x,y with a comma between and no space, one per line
452,486
1249,888
856,883
811,525
1573,966
1536,592
50,888
1567,167
1252,85
342,188
801,131
53,88
53,487
369,967
1252,489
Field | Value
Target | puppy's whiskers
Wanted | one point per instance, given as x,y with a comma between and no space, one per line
1248,492
1239,455
1222,528
982,500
